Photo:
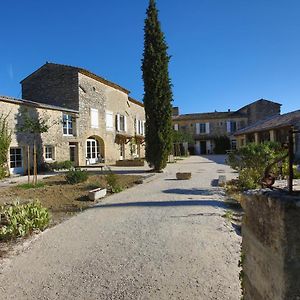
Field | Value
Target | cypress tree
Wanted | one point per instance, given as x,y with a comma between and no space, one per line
157,92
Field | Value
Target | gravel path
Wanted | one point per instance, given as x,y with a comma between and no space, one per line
164,239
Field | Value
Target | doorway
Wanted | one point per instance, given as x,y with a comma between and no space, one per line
203,147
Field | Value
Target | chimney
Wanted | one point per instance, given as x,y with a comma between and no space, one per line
175,111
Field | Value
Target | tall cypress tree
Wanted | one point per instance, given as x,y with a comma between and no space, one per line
157,92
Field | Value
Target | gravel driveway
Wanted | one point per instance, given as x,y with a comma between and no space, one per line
164,239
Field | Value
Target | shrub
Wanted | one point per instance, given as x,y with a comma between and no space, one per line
18,220
59,165
252,160
113,182
5,140
76,176
27,186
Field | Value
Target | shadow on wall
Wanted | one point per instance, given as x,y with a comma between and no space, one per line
213,203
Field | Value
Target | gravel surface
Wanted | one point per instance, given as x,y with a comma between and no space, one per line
164,239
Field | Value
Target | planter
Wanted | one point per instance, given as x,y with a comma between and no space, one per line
183,176
97,194
130,163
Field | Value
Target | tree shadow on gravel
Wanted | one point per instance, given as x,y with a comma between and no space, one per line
202,192
206,202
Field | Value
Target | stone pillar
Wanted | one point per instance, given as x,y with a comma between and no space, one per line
271,245
256,138
272,136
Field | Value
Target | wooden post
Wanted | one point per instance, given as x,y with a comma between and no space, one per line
291,160
28,163
34,165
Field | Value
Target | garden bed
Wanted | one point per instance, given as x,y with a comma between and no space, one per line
63,200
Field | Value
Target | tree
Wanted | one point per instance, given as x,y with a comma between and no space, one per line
157,92
5,140
33,125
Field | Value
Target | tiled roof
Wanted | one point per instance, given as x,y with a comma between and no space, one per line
135,101
259,100
85,72
35,104
211,115
274,122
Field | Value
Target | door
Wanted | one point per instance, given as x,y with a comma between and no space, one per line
203,148
122,151
73,153
92,151
16,161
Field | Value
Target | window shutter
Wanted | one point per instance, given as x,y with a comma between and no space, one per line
207,128
94,118
143,127
118,122
197,128
176,127
136,126
109,121
228,126
125,123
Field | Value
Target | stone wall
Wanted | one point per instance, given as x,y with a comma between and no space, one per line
260,110
54,137
271,246
52,84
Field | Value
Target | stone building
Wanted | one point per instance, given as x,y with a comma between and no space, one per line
210,129
275,128
91,119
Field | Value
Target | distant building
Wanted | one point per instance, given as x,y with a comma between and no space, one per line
275,128
92,119
207,128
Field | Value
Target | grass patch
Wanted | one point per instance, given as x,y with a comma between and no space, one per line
27,186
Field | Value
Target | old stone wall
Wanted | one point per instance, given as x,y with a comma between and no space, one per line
53,137
260,110
52,84
271,246
96,95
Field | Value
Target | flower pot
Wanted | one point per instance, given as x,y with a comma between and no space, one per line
183,175
97,194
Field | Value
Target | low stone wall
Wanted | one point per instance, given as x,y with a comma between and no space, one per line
130,163
271,246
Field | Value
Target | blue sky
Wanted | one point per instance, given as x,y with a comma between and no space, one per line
225,53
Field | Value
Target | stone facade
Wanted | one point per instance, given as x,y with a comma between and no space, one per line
92,120
271,246
207,128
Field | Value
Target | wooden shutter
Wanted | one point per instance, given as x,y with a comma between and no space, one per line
207,129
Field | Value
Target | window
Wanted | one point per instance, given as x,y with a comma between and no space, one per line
233,144
15,157
202,128
94,118
49,152
67,124
109,121
231,126
139,127
121,123
176,127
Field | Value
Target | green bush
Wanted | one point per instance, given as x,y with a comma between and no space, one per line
113,182
59,165
76,176
27,186
252,160
19,220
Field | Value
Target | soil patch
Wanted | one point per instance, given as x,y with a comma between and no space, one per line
63,200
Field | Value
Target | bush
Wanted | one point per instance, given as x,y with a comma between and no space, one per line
76,176
113,182
27,186
252,160
19,220
59,165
